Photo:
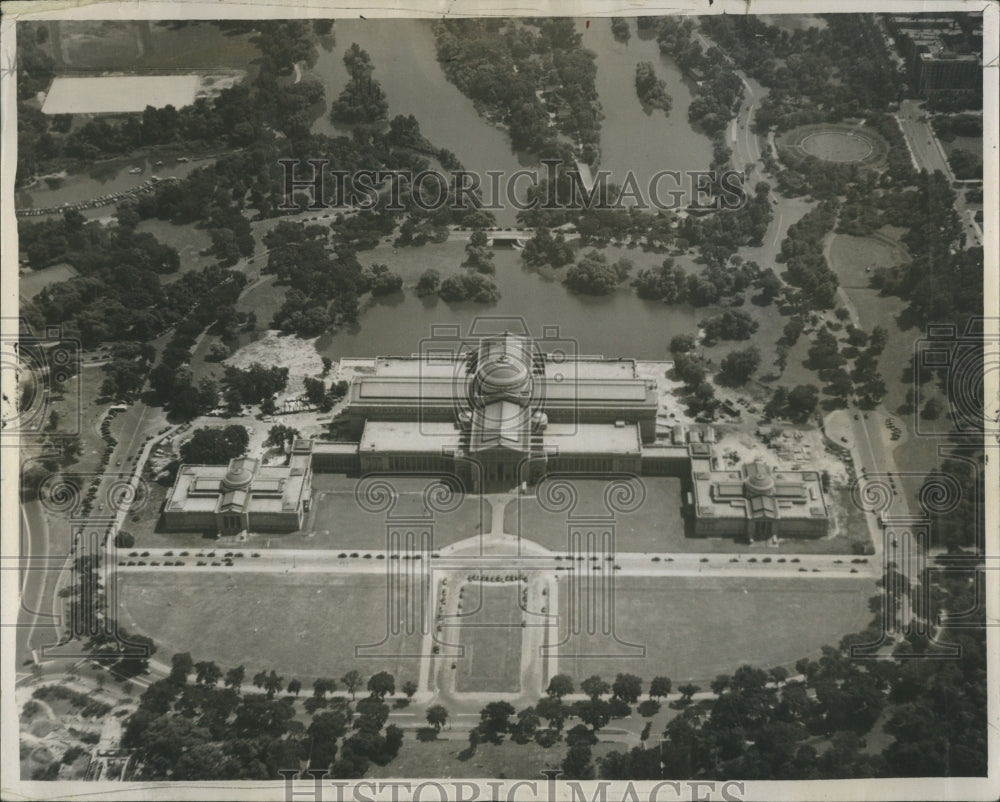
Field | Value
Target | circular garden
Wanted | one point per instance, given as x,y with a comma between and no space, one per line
838,143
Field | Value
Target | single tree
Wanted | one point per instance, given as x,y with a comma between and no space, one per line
352,681
688,690
234,677
207,673
580,734
659,687
494,720
382,684
553,711
273,684
594,712
181,665
595,687
560,685
437,716
627,687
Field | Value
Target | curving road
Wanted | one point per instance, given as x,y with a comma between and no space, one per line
41,563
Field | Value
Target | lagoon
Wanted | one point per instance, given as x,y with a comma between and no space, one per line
620,324
403,55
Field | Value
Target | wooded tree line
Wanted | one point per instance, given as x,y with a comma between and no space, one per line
118,294
796,66
763,727
188,727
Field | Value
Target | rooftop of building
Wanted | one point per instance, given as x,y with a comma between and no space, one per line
501,424
562,389
755,490
244,485
447,359
409,436
592,438
334,447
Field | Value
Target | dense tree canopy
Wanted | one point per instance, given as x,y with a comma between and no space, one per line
592,275
211,446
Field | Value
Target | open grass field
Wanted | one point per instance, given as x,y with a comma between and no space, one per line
849,256
339,521
491,638
655,526
34,281
854,258
694,628
79,413
837,146
187,239
304,626
138,45
837,142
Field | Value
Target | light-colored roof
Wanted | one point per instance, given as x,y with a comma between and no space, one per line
588,438
439,377
723,493
408,436
244,485
590,368
395,390
339,448
501,424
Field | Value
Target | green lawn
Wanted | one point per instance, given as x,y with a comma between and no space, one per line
305,626
171,45
490,634
339,521
34,281
694,628
189,241
849,256
656,525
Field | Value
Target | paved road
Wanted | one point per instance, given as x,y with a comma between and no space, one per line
928,155
42,558
496,557
744,142
47,541
920,138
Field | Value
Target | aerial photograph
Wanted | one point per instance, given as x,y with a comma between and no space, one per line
500,407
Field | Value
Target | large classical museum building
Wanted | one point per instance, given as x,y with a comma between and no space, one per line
500,414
